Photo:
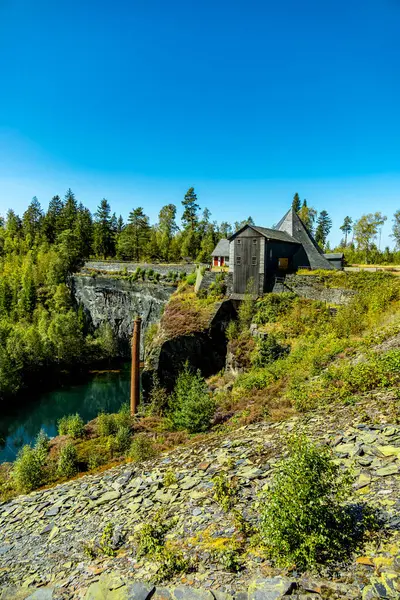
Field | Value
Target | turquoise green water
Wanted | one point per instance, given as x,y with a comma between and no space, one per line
21,423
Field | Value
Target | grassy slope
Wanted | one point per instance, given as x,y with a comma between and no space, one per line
331,359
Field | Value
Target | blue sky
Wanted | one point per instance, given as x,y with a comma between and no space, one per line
248,102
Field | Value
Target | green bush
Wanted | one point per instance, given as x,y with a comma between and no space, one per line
268,350
232,331
303,522
122,439
42,445
191,278
192,407
225,491
123,417
106,425
67,464
72,425
272,307
28,470
150,538
171,562
158,400
142,448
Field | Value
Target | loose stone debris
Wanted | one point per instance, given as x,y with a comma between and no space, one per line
43,535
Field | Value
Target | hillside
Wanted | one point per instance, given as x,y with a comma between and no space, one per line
293,366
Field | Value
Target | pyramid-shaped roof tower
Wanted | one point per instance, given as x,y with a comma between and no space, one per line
294,226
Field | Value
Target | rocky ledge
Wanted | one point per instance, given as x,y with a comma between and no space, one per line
43,535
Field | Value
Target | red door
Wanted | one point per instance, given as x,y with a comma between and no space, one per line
215,261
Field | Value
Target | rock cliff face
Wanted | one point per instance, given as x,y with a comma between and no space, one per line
313,288
118,301
205,350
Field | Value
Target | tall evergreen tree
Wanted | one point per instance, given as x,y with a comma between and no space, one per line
189,217
52,221
167,228
103,235
32,219
346,228
120,224
324,225
296,202
133,240
83,230
69,211
308,214
13,224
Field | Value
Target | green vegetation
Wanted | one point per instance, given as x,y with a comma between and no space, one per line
150,539
304,356
142,448
303,520
225,491
71,425
28,469
151,543
191,407
67,465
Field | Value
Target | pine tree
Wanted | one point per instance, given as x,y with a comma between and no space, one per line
324,225
120,224
103,235
32,219
307,214
189,217
13,224
83,230
52,221
69,211
296,202
133,240
167,228
346,228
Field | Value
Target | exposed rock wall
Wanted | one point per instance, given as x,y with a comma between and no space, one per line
112,267
313,288
118,301
205,350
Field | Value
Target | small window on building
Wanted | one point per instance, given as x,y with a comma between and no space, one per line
255,241
238,241
238,260
254,260
270,253
226,258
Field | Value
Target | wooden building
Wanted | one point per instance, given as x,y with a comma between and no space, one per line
220,255
258,254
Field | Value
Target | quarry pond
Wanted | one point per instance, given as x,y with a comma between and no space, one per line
21,422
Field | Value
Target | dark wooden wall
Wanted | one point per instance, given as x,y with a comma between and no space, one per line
246,246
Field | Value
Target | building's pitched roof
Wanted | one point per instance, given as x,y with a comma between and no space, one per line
294,226
271,234
334,255
222,248
274,234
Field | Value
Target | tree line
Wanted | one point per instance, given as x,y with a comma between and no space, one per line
71,225
360,238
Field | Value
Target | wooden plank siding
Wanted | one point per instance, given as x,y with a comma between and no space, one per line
246,263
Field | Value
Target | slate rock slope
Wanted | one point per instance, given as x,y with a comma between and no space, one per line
43,535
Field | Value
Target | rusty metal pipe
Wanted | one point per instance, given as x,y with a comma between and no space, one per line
135,369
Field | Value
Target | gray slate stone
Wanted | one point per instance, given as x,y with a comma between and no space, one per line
140,591
184,592
41,594
270,588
